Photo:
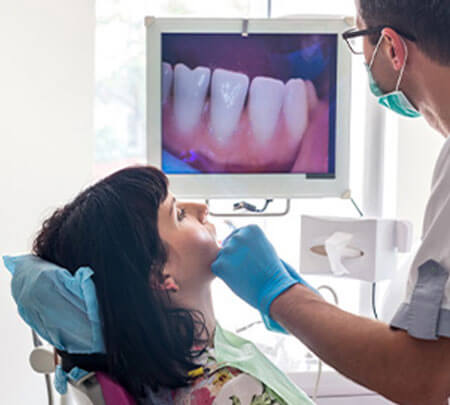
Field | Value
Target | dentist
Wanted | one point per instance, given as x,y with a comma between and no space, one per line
406,45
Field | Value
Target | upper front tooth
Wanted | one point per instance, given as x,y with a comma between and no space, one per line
266,99
296,107
167,76
190,88
228,92
313,99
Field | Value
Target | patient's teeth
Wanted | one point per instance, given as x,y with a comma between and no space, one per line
313,99
190,88
266,99
167,76
228,92
296,107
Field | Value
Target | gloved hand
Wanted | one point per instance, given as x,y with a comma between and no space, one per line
250,266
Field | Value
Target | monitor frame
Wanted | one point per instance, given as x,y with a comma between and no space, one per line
264,185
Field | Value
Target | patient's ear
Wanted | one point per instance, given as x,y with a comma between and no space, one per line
167,284
170,284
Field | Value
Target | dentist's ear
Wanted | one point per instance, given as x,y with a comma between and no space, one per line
395,47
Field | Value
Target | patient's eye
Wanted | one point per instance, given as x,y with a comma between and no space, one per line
181,214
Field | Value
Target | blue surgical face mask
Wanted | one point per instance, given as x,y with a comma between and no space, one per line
396,100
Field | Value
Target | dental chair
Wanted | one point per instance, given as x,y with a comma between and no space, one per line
96,388
73,332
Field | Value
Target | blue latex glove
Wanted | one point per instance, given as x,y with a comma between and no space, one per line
268,321
250,266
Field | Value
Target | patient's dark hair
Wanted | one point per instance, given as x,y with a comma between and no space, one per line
427,20
112,227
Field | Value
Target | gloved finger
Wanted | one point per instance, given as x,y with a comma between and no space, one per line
230,256
231,235
253,230
249,235
255,237
248,230
240,234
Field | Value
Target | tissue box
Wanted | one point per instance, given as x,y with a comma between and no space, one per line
359,248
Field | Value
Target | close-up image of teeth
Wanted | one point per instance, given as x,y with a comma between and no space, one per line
261,104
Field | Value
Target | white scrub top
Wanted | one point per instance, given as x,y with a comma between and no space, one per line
425,313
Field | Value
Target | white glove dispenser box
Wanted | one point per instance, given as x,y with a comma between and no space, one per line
358,248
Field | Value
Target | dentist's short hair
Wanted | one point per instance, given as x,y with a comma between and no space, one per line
427,20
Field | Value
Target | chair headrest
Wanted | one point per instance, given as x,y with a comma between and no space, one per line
62,308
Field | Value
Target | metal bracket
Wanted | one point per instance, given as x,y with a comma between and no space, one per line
244,32
350,21
149,21
248,215
346,195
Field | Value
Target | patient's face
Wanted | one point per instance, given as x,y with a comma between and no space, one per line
191,241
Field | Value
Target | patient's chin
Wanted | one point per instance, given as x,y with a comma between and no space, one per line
214,252
211,274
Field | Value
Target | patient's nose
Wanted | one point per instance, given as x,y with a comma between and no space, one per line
199,210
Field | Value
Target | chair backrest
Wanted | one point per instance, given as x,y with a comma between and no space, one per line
99,389
94,389
113,393
86,392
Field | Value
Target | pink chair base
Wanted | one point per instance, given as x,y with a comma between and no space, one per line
113,393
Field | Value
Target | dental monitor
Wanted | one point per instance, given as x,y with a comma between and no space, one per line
249,108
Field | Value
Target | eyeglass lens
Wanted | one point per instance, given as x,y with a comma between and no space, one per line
357,44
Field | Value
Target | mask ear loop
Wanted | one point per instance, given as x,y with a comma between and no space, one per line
400,77
376,51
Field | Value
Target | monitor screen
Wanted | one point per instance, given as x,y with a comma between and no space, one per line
265,103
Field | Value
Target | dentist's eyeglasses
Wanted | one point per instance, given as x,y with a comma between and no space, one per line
355,38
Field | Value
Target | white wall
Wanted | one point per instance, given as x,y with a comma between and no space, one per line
418,150
46,147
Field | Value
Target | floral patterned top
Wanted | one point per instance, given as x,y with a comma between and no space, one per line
218,386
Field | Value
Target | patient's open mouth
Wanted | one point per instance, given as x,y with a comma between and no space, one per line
226,121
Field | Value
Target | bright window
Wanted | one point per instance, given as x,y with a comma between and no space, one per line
120,70
330,7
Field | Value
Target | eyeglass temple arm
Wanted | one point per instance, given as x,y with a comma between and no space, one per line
353,34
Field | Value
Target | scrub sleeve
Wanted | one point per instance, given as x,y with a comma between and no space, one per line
425,312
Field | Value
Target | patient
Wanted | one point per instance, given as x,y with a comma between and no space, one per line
151,256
